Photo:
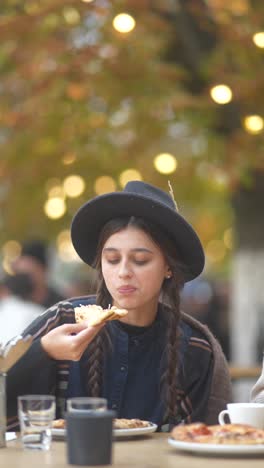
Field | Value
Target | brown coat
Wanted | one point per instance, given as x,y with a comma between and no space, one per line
221,390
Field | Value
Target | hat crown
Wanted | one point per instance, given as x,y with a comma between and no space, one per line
142,189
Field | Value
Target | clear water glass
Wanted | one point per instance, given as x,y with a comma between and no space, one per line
36,413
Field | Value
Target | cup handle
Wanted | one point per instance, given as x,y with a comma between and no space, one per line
221,417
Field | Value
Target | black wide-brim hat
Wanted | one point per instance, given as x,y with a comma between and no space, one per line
141,200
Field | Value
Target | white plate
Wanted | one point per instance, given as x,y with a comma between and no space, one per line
60,433
217,449
135,431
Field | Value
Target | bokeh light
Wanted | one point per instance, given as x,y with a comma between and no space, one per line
65,248
124,23
127,175
73,186
11,249
258,39
71,15
55,208
215,250
104,184
221,94
165,163
253,124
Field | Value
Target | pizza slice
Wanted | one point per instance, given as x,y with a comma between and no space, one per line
228,434
121,423
94,314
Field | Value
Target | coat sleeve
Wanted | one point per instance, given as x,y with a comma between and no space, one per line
196,377
35,372
207,380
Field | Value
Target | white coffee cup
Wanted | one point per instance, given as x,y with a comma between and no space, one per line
243,413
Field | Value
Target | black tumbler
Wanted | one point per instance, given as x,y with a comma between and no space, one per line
89,437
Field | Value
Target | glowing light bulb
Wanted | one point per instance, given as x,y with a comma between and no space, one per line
221,94
55,208
73,186
129,174
124,23
253,124
165,163
258,39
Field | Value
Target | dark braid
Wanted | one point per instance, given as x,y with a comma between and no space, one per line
171,295
94,375
170,298
97,346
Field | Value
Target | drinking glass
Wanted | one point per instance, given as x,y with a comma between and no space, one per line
36,413
89,437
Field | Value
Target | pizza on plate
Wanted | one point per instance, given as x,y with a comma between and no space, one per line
121,423
231,434
94,314
118,423
59,424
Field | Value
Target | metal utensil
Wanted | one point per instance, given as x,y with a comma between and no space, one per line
13,351
9,355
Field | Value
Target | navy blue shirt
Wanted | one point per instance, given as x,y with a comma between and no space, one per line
135,363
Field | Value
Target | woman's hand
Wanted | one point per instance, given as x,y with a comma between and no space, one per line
69,341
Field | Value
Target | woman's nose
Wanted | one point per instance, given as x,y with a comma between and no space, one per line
124,269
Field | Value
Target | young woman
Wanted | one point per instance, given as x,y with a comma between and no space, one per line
156,363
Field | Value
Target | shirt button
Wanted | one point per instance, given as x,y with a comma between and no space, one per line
114,406
123,368
136,342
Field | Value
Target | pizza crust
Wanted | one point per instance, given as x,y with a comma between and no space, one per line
94,314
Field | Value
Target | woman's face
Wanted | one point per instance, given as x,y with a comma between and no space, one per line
134,269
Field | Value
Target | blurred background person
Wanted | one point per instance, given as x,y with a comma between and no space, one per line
34,261
16,308
83,281
208,301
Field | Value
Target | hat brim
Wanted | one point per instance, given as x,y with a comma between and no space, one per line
91,217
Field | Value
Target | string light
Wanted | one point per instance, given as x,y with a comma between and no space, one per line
258,39
124,23
104,184
65,248
55,208
71,15
73,186
11,249
221,94
253,124
129,174
165,163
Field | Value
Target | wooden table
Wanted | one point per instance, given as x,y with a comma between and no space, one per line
151,451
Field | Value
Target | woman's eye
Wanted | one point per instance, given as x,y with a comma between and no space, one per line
140,262
113,261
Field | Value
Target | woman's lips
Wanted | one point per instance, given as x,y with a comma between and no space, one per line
126,289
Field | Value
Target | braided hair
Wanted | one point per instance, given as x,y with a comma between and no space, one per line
170,298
